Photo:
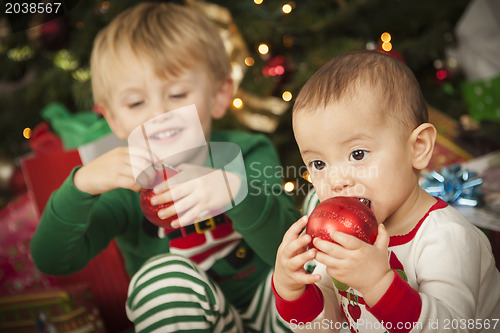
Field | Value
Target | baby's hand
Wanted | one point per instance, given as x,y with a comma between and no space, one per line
112,170
290,278
195,190
358,264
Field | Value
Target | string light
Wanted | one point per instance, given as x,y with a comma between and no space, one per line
386,46
81,74
438,64
27,132
65,60
287,9
104,7
258,2
441,74
21,53
385,37
249,61
386,41
452,62
287,96
263,48
237,103
307,176
288,187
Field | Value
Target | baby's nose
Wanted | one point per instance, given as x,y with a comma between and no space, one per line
341,182
340,186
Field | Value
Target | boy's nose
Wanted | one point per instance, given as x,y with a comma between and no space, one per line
160,114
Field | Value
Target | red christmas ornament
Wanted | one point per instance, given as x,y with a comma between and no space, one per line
54,32
345,214
150,211
276,66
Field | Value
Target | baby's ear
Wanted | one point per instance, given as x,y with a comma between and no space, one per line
222,98
422,144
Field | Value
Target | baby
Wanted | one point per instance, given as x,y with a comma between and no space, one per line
361,126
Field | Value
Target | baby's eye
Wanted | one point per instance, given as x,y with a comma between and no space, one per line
358,155
317,165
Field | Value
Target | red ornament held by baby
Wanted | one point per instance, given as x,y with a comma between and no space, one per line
345,214
150,211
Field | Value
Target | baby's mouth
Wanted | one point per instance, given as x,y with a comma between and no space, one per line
365,201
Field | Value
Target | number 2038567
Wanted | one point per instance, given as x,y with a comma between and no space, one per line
32,7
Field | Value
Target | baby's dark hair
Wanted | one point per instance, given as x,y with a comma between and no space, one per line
399,96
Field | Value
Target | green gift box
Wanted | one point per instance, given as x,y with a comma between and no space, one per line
483,98
75,129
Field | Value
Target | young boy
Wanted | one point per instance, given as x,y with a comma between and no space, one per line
361,126
151,59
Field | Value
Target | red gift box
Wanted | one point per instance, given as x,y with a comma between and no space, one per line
17,270
105,275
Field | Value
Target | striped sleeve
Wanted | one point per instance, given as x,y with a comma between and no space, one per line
310,202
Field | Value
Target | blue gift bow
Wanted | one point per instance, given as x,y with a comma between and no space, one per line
454,185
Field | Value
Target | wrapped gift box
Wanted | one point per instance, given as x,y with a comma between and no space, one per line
483,98
105,275
446,151
17,270
55,310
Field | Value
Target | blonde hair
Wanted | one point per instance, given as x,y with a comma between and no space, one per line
399,95
170,37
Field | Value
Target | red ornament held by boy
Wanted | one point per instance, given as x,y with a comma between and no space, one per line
151,211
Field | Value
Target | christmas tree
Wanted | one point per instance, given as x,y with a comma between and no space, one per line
277,46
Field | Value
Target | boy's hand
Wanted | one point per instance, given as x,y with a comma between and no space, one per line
113,170
358,264
195,190
290,278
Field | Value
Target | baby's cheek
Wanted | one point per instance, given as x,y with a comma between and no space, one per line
322,190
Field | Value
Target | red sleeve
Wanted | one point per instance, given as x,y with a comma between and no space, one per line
304,309
400,304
